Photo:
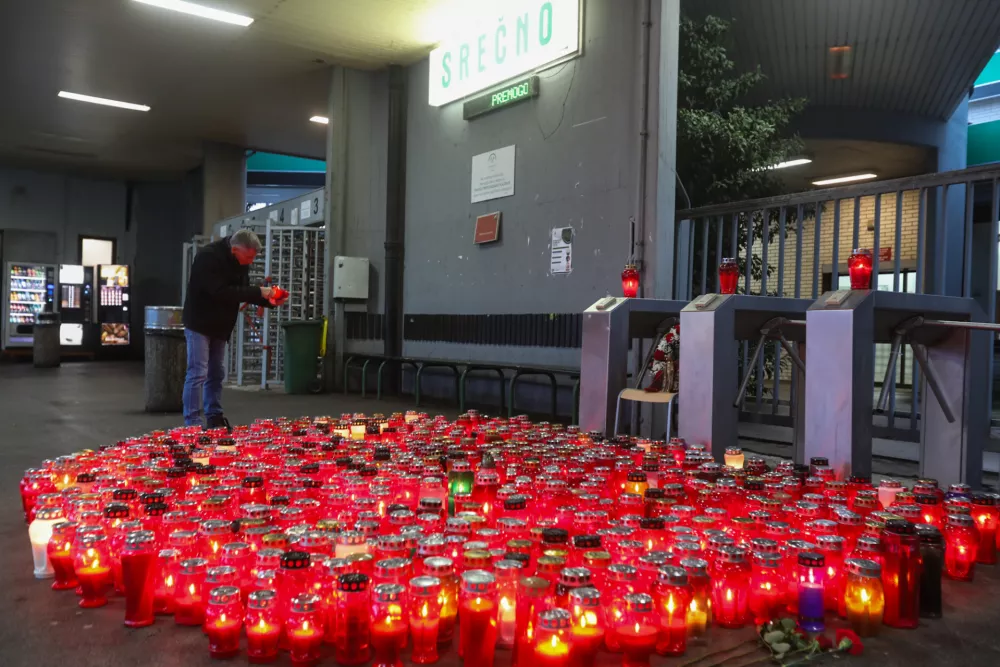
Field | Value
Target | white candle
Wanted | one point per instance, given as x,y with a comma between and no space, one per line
39,533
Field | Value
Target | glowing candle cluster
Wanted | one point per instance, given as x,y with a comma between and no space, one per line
368,538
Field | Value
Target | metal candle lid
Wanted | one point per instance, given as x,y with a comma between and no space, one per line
307,602
224,595
388,592
262,599
585,596
574,576
425,585
353,582
554,619
639,602
863,567
193,566
478,581
438,566
673,576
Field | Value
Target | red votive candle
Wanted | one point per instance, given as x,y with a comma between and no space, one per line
59,550
730,587
425,614
189,596
444,570
552,648
532,595
729,275
92,566
353,634
389,625
672,597
901,574
984,513
223,622
139,575
304,629
767,587
859,267
263,623
961,547
636,631
478,609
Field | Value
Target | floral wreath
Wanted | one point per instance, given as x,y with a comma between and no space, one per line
667,350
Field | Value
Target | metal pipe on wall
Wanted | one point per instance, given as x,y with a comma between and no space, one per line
395,218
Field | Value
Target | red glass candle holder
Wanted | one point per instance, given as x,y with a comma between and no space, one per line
767,587
672,598
984,513
961,547
59,551
478,609
389,624
552,647
139,574
901,574
263,626
859,268
832,548
92,566
425,618
729,275
444,570
223,622
630,281
637,631
622,581
930,509
730,587
587,629
165,580
353,638
532,598
189,596
304,629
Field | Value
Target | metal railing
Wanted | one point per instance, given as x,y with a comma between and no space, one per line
930,234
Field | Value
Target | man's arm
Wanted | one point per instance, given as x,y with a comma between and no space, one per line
210,276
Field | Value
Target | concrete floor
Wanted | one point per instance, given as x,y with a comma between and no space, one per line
47,413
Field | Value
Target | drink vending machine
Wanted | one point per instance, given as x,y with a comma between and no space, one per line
76,308
29,289
113,312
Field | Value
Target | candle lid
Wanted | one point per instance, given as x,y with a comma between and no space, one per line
959,520
587,542
390,566
306,603
252,482
863,567
478,581
899,527
636,476
554,619
193,566
555,536
847,517
890,483
515,502
984,499
51,514
220,574
353,582
116,511
438,566
388,592
235,549
764,545
351,537
652,523
508,566
140,538
929,535
294,560
672,576
264,598
156,509
830,542
124,494
621,572
811,559
639,602
585,596
224,595
767,559
425,585
64,527
868,543
574,576
654,493
926,499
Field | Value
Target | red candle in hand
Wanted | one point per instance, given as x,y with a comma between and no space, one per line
389,626
139,573
92,565
263,624
223,622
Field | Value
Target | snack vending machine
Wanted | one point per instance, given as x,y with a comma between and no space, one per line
76,309
113,312
29,289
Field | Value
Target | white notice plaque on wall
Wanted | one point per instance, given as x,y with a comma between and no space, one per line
493,174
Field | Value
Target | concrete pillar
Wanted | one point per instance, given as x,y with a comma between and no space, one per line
224,183
946,211
666,178
336,214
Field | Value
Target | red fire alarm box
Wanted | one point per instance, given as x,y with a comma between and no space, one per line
487,228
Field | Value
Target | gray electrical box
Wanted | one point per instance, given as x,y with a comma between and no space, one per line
350,277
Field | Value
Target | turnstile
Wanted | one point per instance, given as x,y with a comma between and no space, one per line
951,352
608,327
712,328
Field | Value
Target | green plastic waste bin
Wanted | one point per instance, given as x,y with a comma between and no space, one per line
301,350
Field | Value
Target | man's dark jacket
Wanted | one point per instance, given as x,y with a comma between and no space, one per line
217,287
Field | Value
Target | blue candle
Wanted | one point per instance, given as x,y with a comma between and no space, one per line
811,591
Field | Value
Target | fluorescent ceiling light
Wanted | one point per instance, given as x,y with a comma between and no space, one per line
320,119
791,163
102,100
846,179
199,10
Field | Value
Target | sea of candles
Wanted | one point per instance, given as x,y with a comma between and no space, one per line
384,538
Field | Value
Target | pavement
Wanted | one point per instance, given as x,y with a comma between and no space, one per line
45,413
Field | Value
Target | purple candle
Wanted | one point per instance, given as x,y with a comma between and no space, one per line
811,575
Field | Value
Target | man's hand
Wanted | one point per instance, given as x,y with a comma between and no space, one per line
267,292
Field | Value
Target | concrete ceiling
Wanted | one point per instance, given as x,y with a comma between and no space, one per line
253,87
835,157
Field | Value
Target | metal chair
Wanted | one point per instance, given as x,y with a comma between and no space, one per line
638,395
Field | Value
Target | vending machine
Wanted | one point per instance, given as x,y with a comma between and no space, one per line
29,289
76,306
113,312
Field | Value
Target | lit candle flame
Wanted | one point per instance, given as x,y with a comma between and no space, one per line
191,589
423,611
505,604
636,628
262,625
671,606
864,595
693,606
169,581
305,626
554,641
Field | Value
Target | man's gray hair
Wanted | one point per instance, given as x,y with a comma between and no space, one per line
245,238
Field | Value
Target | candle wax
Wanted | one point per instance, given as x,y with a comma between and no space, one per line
584,645
387,638
478,632
62,567
223,637
637,642
262,642
189,607
424,633
672,638
811,606
303,645
94,582
551,653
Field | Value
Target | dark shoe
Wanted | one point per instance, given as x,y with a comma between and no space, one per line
219,421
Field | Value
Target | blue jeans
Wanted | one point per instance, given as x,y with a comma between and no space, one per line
205,371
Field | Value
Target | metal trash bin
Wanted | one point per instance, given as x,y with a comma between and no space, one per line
166,359
45,340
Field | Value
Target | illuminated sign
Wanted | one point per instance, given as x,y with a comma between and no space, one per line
529,35
498,99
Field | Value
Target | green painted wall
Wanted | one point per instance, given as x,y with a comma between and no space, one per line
991,72
984,143
275,162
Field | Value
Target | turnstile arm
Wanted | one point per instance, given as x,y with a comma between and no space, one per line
890,371
746,375
772,330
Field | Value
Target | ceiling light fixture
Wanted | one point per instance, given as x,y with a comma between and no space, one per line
320,119
199,10
101,100
795,162
846,179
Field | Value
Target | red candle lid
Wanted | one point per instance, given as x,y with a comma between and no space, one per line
554,619
224,595
294,560
639,602
811,559
353,582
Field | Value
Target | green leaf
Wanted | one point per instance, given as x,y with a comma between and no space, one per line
773,636
781,649
787,624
